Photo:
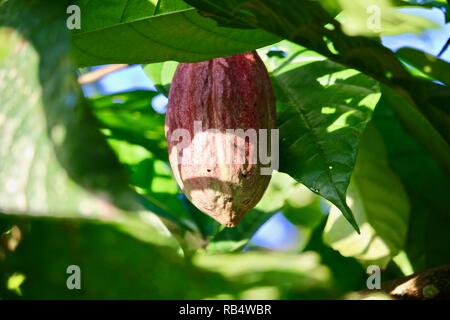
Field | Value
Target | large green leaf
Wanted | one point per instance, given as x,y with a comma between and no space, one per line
380,205
327,109
161,75
419,127
427,187
163,6
310,25
130,32
53,159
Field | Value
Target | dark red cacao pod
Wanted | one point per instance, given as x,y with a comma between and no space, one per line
224,93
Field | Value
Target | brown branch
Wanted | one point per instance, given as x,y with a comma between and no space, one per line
429,284
96,75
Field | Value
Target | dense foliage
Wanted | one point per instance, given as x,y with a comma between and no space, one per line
364,145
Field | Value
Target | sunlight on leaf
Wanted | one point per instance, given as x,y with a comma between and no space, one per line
14,282
319,148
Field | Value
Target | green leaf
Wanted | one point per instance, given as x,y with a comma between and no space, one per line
427,187
307,23
161,75
129,117
164,6
429,65
380,204
130,32
328,108
235,239
225,246
303,209
418,127
54,160
280,188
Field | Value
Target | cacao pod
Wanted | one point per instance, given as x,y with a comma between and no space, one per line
222,94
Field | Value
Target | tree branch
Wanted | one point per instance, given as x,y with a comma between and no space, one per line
429,284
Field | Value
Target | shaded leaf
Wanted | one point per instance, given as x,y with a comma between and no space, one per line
164,6
427,187
108,33
380,205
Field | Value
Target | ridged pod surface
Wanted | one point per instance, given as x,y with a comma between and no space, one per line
223,93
